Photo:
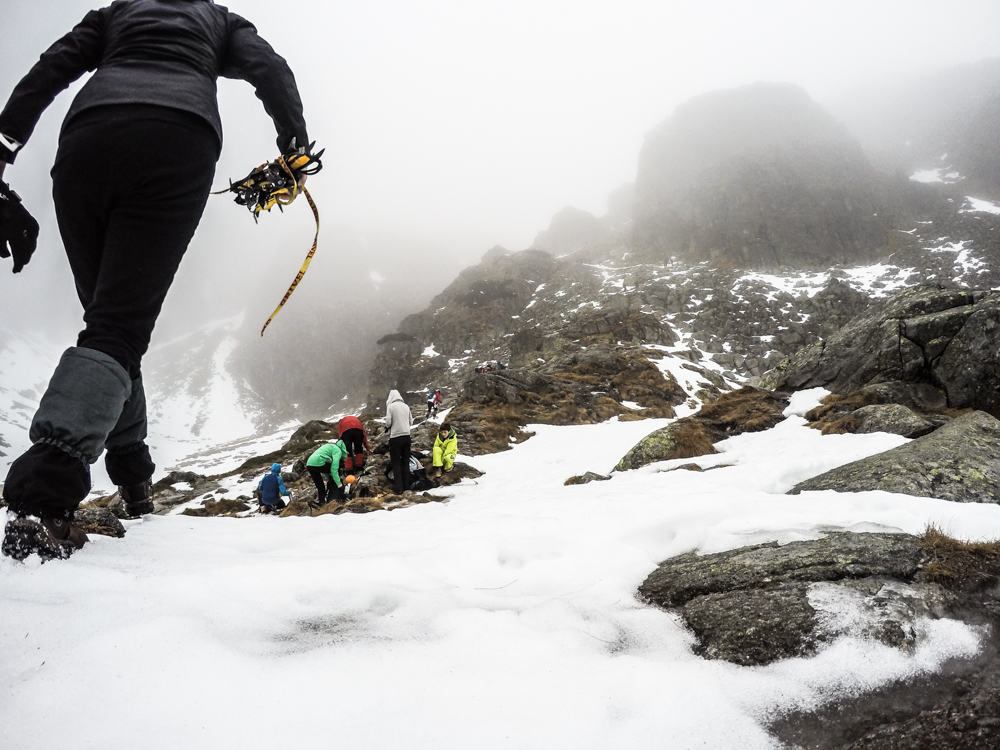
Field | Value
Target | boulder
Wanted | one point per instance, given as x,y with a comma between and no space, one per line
837,556
98,521
892,418
586,478
759,604
959,461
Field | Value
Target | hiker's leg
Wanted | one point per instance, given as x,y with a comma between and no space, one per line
436,453
406,447
449,461
399,462
157,165
316,472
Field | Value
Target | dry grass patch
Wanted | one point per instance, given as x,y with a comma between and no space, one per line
691,440
960,565
746,410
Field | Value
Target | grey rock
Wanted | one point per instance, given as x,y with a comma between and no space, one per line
753,627
837,556
960,461
894,419
587,478
98,521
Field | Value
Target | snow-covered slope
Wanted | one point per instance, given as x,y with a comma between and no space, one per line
505,618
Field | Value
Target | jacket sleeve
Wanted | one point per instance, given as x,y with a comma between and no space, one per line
249,58
61,64
282,490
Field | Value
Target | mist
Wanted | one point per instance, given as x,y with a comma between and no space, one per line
449,127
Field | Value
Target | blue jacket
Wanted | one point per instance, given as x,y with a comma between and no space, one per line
271,487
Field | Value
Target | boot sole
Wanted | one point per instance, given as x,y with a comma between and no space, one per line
24,537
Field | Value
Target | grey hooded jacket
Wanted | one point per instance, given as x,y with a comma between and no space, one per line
397,415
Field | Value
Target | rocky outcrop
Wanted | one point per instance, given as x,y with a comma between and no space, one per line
746,410
759,604
944,337
759,176
585,387
959,461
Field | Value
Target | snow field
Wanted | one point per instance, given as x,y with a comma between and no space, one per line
505,618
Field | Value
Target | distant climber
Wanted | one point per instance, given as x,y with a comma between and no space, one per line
272,489
398,421
445,450
352,432
324,464
433,399
136,159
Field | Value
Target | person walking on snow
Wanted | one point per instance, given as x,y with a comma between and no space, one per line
398,421
272,489
433,399
352,432
445,451
323,463
134,168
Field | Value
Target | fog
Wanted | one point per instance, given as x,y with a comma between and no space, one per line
451,127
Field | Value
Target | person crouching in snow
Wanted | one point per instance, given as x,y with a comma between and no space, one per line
325,463
445,450
272,489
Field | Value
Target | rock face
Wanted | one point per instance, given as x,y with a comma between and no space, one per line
759,604
959,461
929,334
746,410
760,176
581,388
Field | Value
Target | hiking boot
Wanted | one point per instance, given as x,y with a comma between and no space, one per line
51,537
138,498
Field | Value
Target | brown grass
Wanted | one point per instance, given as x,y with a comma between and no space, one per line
835,403
960,565
692,440
745,410
842,426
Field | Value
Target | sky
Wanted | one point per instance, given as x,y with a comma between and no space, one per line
452,126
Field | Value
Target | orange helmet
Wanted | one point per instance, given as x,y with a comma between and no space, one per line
350,479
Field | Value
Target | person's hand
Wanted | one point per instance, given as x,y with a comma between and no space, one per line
18,229
302,179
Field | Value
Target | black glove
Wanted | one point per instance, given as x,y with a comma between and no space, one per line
18,228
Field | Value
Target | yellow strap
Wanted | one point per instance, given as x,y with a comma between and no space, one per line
305,265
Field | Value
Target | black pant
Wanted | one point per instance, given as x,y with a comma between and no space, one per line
399,456
328,492
130,184
354,441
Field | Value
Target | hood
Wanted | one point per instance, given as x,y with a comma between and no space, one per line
393,398
275,468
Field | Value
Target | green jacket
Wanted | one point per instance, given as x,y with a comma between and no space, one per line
328,456
448,446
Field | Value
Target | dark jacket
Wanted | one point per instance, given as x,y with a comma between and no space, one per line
272,488
163,52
